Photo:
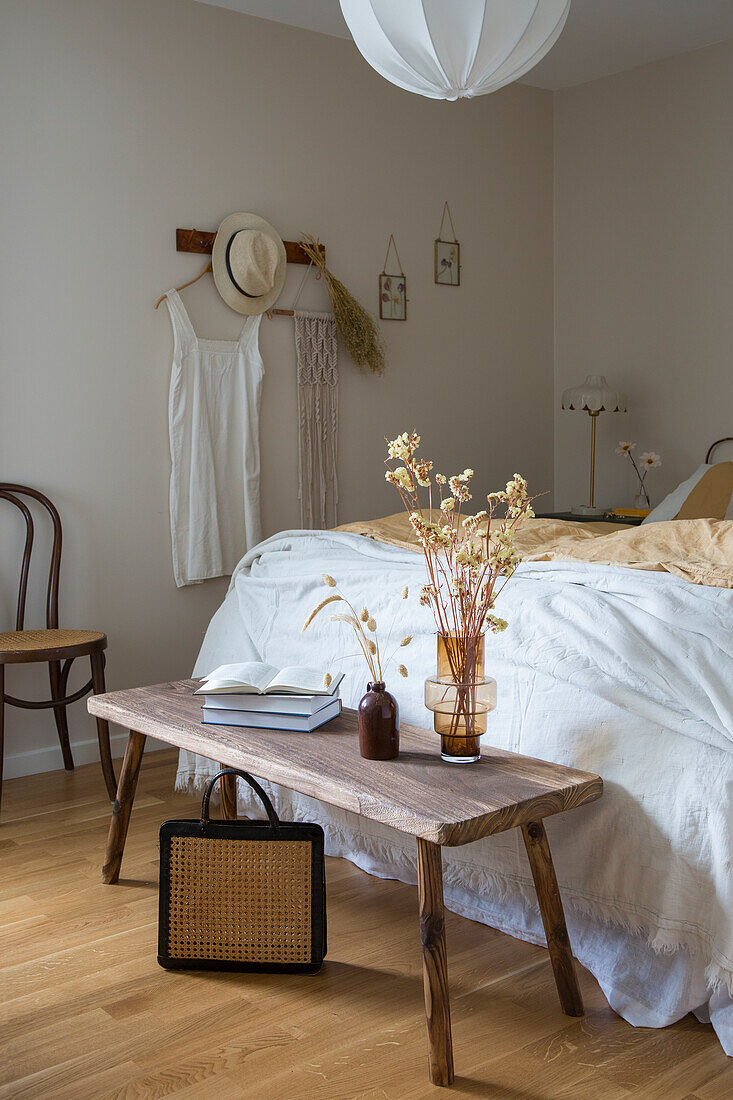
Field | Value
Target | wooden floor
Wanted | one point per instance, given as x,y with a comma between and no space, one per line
87,1012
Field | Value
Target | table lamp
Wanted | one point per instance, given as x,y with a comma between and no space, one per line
594,396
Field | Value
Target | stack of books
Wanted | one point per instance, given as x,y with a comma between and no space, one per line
261,696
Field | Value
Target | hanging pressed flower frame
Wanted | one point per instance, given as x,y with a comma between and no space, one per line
447,255
392,289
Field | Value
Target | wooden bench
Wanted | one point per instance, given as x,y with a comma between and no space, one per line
437,803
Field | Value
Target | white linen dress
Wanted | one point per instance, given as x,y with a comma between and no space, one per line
213,417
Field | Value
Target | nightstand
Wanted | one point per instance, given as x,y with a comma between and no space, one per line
630,521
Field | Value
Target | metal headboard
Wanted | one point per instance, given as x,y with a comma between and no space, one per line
711,448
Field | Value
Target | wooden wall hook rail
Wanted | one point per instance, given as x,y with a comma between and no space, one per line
200,240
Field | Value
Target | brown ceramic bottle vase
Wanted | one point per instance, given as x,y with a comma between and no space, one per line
379,724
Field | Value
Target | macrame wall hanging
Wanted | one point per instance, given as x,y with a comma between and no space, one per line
316,352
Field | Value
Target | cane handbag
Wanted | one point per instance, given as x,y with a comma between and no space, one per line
242,895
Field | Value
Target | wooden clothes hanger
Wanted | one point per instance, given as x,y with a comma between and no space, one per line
190,282
201,241
270,313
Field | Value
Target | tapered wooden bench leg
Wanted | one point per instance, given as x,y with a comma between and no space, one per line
228,788
122,807
105,748
2,726
434,959
553,917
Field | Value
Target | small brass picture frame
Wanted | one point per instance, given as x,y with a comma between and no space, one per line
392,297
447,263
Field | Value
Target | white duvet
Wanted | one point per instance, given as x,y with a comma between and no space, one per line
616,671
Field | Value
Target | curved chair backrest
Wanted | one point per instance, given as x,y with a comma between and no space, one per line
13,494
717,443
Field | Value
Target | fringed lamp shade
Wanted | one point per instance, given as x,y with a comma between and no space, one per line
454,49
595,395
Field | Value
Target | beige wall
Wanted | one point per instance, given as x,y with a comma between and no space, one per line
644,278
122,119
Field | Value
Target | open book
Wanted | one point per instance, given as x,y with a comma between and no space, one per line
256,678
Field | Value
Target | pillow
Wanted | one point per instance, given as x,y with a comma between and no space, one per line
705,495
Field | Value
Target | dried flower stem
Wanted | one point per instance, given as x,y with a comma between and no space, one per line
356,327
467,568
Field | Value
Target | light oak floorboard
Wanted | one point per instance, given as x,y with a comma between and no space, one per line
87,1013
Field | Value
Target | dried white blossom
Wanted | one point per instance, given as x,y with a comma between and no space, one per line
469,559
403,446
495,624
422,473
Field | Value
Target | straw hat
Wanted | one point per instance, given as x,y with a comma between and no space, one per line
248,263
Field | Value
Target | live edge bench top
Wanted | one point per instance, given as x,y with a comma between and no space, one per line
418,794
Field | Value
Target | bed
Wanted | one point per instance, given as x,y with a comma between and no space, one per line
619,660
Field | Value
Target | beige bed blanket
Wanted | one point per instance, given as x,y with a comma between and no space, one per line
698,550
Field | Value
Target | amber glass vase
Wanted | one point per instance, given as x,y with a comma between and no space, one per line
460,697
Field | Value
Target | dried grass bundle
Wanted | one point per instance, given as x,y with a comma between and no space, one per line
369,646
356,327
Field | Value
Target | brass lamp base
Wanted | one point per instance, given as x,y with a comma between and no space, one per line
594,397
586,510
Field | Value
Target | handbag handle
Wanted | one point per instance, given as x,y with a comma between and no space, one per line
269,808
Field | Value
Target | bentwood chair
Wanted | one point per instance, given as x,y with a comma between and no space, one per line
19,646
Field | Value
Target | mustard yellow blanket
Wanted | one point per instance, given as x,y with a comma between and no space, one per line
698,550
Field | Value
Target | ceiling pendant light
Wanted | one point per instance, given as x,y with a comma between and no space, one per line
454,49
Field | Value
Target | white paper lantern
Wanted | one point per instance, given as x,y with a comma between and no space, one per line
454,49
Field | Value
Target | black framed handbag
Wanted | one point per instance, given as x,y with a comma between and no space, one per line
242,895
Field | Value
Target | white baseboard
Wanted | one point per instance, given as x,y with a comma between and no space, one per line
49,758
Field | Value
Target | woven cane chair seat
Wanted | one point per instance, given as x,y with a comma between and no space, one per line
59,648
17,646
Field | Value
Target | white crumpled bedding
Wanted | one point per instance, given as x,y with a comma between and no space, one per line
612,670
